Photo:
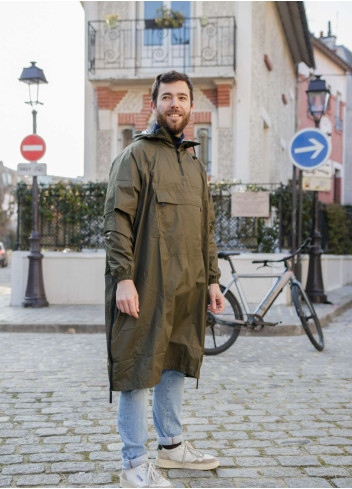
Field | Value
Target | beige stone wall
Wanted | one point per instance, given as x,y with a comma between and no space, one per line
271,121
216,9
122,9
103,155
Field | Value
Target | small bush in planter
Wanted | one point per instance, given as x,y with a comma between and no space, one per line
169,18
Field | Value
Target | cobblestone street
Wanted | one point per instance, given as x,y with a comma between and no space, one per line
276,412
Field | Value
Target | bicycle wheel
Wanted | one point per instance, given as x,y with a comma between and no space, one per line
308,316
219,337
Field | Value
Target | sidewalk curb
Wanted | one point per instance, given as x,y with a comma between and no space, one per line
53,328
72,328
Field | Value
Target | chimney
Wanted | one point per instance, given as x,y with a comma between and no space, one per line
330,39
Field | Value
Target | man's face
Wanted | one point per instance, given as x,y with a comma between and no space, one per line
173,107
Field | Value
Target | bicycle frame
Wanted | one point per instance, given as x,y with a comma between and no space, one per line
283,278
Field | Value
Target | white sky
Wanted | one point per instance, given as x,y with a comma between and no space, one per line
52,33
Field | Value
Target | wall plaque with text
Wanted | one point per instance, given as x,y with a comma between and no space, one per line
250,204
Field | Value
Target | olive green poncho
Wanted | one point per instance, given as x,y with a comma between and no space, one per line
159,233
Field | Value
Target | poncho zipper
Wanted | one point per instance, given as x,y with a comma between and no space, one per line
179,162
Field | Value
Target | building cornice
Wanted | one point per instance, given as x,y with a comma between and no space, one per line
294,22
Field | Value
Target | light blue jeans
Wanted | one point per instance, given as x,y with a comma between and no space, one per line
132,417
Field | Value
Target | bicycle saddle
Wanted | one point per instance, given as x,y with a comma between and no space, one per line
224,254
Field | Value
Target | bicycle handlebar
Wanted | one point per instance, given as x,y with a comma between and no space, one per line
297,252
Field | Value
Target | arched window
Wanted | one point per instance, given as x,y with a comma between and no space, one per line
127,135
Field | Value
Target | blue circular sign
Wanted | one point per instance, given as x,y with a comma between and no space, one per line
309,149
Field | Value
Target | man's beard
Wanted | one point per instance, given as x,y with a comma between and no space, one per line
176,127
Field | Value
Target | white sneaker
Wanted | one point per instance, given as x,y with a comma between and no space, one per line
144,475
185,457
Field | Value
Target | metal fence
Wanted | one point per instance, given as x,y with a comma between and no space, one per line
71,217
245,233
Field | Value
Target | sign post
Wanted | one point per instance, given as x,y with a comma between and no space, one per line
309,149
32,149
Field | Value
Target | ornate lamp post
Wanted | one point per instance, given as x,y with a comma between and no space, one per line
35,292
318,97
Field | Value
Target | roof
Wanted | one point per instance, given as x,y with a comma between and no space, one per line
294,21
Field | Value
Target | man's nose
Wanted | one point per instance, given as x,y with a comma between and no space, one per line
174,102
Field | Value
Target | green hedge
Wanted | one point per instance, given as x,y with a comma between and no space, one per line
71,216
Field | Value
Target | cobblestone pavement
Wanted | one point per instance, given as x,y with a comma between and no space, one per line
277,413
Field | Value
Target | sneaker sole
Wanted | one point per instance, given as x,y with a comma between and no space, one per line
173,464
126,483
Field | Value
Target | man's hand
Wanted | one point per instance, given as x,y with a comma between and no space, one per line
127,298
217,300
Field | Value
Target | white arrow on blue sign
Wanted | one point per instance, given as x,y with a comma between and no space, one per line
309,149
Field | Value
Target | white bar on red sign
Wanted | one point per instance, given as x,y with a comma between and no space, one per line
32,147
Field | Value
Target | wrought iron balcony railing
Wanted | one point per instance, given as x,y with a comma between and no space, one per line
135,47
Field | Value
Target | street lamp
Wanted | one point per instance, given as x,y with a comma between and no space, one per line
318,97
35,292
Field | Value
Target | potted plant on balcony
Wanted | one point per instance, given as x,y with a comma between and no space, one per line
111,20
167,19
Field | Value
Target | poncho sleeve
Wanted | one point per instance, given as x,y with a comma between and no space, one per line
214,271
120,210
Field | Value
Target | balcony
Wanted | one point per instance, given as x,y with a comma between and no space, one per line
138,48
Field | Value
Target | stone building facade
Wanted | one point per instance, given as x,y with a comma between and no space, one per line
242,59
337,121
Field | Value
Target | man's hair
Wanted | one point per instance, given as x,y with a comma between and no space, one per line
170,77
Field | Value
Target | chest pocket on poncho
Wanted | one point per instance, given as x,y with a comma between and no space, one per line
180,221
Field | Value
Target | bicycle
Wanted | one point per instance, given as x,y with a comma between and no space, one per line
223,329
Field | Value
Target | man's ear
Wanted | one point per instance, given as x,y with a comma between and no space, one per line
192,106
152,106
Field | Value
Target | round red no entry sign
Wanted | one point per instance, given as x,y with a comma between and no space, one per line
33,147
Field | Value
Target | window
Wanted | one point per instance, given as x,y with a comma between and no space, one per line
328,107
338,119
181,35
127,135
204,150
152,35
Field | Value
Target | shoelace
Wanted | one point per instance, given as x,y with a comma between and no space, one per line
152,473
191,449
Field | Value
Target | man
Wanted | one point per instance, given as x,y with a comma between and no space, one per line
161,265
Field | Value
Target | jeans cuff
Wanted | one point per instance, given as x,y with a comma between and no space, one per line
170,440
134,462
